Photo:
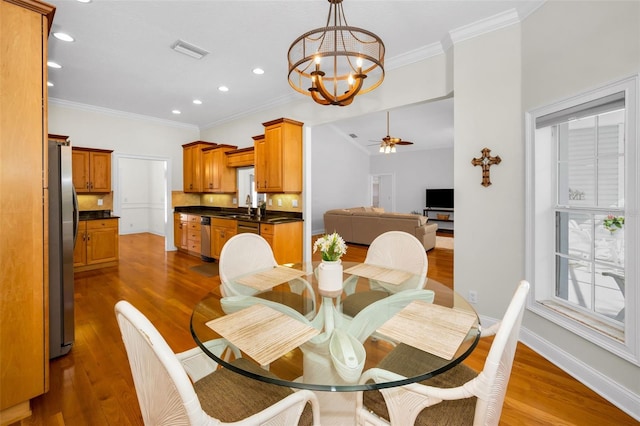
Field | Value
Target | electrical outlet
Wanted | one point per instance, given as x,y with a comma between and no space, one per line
279,202
294,203
473,296
270,202
100,201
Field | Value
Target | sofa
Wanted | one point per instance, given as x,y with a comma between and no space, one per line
361,225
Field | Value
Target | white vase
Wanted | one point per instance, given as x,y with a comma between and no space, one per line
330,277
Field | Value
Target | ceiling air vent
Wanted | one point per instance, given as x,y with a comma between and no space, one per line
353,135
189,49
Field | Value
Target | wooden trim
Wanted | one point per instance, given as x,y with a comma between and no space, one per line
40,7
78,148
241,150
257,138
190,144
95,266
220,145
282,120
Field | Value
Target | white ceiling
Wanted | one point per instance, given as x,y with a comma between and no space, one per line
121,57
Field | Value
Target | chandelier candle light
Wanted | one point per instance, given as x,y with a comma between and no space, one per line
331,247
335,63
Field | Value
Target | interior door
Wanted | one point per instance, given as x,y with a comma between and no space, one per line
383,192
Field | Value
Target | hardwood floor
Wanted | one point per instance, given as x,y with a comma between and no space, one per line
92,385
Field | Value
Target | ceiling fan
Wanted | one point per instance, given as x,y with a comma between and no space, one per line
388,143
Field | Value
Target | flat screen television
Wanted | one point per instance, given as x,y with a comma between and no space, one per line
440,198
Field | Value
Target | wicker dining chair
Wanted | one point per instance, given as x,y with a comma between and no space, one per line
393,249
246,253
459,396
188,388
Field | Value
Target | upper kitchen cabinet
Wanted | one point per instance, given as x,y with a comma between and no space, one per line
192,165
24,206
279,157
243,157
91,170
217,176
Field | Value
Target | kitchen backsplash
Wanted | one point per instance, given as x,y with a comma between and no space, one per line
92,202
278,202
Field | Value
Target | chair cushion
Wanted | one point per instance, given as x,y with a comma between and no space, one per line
402,360
354,303
293,300
230,397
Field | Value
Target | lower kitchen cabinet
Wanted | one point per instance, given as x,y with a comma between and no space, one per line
285,240
96,244
187,233
221,231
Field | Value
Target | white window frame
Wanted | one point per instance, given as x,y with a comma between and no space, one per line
540,180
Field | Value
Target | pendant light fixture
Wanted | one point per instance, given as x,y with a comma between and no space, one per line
335,63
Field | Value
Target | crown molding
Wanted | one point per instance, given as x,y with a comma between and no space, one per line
484,26
116,113
416,55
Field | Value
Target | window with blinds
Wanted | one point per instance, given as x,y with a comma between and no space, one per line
582,153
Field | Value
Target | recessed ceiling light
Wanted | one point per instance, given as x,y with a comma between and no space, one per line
63,36
52,64
176,111
50,84
223,88
258,71
197,101
84,1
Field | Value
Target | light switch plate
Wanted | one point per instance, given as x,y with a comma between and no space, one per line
100,201
294,203
279,202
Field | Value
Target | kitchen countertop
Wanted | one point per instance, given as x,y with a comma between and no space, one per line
97,215
274,217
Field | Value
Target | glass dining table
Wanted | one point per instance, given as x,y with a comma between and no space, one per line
327,350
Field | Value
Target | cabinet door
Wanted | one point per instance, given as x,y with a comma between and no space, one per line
102,245
260,164
208,171
80,170
273,158
80,250
192,172
100,171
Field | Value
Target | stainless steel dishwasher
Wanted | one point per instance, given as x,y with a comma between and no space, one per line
205,238
248,227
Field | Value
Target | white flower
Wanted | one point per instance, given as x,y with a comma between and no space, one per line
331,246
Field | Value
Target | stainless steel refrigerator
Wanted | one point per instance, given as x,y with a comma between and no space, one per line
63,228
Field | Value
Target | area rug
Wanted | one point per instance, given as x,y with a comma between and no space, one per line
206,269
444,242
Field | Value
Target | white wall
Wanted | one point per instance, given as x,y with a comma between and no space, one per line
569,48
340,174
415,172
142,195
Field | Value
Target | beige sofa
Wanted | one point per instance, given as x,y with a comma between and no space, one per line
361,225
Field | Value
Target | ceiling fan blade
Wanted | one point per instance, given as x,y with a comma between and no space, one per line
404,143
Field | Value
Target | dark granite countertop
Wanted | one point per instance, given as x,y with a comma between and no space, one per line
274,217
97,215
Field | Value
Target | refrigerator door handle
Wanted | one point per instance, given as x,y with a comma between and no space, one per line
76,215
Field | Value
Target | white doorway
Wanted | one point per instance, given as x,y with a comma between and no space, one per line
382,190
141,196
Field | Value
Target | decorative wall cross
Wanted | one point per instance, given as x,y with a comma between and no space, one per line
486,161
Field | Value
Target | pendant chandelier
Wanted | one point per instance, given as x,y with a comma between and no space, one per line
335,63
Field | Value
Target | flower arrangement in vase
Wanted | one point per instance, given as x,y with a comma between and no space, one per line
331,247
612,223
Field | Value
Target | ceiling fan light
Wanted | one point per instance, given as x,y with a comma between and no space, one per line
393,149
382,148
387,149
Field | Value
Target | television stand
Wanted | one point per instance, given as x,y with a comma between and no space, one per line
442,216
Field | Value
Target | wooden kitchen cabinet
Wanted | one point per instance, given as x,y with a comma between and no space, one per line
192,165
91,170
96,244
24,204
285,240
180,231
194,235
218,177
243,157
221,231
279,157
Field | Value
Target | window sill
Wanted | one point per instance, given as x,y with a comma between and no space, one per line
590,321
